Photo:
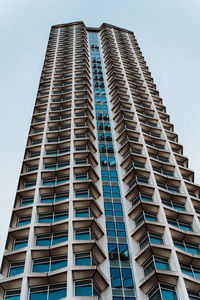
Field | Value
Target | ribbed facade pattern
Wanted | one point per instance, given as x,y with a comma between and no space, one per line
106,206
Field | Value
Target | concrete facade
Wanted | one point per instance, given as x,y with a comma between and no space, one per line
106,206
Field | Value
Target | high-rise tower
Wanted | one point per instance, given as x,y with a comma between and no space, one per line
106,206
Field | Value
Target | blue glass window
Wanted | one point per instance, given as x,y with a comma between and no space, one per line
123,251
110,225
108,205
145,216
127,278
156,239
109,149
82,194
52,292
61,197
193,249
159,263
82,234
106,191
120,226
111,161
163,291
59,238
47,199
45,218
17,297
103,161
101,107
20,243
60,216
162,265
108,137
54,198
24,220
82,176
83,259
111,233
105,175
115,192
118,209
107,126
146,197
168,295
12,295
108,209
150,237
100,126
102,148
110,228
176,205
101,137
49,239
113,176
115,278
191,270
182,225
106,117
187,271
43,240
57,294
150,217
179,245
49,264
28,184
82,212
120,229
104,107
109,176
113,252
58,262
26,201
99,116
185,227
41,265
16,268
83,288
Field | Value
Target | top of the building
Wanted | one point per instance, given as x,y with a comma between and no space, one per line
92,28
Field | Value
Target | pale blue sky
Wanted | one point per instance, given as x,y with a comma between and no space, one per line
168,33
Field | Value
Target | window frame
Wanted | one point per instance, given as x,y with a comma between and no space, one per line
14,292
50,261
53,216
16,265
95,291
159,287
48,288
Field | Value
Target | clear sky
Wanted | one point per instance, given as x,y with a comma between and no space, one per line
168,33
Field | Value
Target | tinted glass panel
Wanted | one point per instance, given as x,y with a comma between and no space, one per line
83,290
12,298
41,267
16,270
58,265
59,239
169,295
39,295
59,294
